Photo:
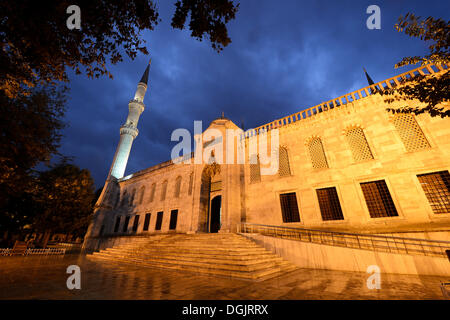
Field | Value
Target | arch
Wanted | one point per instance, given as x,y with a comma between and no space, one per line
316,153
283,162
358,144
163,191
141,194
152,192
133,195
116,202
410,132
124,198
208,172
177,187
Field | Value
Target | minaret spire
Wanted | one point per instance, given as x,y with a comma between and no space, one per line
129,131
144,78
369,79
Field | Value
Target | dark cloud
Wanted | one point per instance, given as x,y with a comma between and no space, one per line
285,56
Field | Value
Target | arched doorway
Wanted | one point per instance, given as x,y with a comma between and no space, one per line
204,219
216,213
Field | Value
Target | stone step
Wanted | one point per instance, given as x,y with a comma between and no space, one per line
228,255
213,251
249,261
223,266
200,254
256,275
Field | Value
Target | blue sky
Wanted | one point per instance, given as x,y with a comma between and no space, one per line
285,56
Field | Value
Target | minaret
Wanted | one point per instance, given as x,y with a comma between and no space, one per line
129,131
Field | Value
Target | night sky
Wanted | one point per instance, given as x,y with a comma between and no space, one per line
285,56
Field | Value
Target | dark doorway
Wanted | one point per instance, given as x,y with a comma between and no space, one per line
216,206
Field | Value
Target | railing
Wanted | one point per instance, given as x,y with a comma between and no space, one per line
5,251
410,246
48,251
30,251
347,98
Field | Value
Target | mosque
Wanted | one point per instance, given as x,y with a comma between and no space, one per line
346,165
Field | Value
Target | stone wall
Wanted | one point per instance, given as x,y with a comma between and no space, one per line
318,256
391,162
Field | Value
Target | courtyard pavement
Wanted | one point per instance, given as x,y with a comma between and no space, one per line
45,278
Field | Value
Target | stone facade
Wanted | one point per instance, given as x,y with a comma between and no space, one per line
348,163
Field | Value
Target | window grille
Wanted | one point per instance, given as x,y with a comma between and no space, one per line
283,163
330,208
378,199
255,170
436,186
317,154
289,207
410,133
358,144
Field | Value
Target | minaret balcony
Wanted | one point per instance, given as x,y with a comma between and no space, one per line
129,129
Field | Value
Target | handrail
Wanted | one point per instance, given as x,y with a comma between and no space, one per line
347,98
411,246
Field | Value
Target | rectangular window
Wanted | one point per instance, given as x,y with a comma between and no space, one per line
173,219
136,223
116,227
378,199
436,186
125,225
330,208
289,207
159,219
146,222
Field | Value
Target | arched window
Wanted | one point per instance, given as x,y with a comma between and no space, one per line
191,183
124,198
141,196
358,144
163,190
255,170
317,154
152,192
116,203
283,164
133,194
177,187
409,131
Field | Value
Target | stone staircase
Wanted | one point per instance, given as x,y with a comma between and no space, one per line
223,254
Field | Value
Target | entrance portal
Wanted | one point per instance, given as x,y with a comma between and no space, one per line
216,211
